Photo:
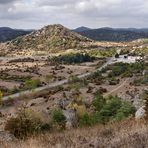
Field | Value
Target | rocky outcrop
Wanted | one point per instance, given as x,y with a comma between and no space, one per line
71,118
6,137
140,113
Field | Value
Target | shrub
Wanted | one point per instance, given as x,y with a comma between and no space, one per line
115,109
97,75
125,110
73,79
98,102
24,124
58,117
116,55
111,108
1,95
86,120
80,109
32,84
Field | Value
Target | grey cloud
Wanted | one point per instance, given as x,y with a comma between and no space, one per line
73,13
6,1
55,2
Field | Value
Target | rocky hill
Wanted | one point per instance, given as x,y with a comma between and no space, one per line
115,35
7,34
52,38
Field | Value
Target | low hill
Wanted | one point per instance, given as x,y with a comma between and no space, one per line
7,34
115,35
52,38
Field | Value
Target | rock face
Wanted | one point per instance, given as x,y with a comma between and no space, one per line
140,113
71,119
6,137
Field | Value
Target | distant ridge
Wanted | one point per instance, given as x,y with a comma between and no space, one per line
114,34
7,34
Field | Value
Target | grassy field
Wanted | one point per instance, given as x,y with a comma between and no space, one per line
128,133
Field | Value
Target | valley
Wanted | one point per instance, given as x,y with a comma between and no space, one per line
54,79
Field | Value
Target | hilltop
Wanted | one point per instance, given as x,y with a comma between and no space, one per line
7,34
51,38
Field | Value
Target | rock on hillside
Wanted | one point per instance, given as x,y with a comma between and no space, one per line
51,38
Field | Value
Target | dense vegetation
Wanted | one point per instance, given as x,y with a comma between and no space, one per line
71,58
107,109
125,69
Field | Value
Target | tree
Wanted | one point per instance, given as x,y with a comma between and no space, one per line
98,101
116,55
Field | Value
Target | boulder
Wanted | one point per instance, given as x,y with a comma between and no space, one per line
6,137
140,113
71,118
63,103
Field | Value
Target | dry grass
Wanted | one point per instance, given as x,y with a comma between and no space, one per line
125,134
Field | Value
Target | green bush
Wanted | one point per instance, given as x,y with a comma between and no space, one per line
32,84
58,117
112,108
125,69
98,101
86,120
72,58
125,110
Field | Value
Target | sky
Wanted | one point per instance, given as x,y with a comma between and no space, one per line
34,14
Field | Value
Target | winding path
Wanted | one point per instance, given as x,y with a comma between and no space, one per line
117,88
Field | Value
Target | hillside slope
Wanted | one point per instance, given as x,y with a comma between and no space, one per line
7,34
52,38
126,134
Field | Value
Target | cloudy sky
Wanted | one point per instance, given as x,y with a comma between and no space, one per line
33,14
